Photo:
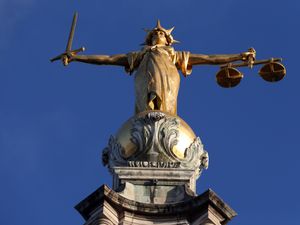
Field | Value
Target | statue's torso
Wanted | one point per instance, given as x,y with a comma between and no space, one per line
156,72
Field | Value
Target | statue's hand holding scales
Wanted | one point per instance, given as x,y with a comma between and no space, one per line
156,67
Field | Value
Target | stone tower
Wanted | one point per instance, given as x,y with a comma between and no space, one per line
155,159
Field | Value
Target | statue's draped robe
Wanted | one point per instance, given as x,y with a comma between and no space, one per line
157,77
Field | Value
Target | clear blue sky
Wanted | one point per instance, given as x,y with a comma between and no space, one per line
55,120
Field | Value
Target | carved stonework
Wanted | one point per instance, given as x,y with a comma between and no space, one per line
155,134
150,164
111,155
196,156
105,206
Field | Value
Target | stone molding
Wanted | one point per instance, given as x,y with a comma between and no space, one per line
161,176
205,208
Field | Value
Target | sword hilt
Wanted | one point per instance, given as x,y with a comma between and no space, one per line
67,54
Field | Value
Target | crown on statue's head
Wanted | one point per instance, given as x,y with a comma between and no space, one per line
169,37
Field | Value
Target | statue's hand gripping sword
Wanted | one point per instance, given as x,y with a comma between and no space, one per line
65,57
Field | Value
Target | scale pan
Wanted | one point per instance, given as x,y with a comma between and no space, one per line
272,72
229,77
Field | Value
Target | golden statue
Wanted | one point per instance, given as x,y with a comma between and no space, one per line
156,67
155,146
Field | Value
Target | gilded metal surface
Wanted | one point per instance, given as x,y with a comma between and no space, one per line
156,67
185,137
272,72
124,137
229,77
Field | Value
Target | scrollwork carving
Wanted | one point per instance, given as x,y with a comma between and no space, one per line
196,157
112,154
154,135
168,135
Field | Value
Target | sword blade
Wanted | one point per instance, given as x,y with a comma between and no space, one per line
72,31
56,58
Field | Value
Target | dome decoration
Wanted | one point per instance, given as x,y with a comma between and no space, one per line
155,139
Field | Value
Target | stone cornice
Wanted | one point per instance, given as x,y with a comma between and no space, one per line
209,199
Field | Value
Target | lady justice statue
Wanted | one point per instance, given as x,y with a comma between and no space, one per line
155,124
155,136
156,67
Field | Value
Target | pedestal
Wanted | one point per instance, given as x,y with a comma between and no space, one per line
106,206
155,160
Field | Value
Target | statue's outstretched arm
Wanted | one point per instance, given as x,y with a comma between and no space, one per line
196,59
117,60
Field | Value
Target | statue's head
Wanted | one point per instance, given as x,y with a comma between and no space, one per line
159,35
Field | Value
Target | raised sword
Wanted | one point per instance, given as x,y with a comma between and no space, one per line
69,51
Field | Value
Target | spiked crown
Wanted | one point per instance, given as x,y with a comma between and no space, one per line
169,37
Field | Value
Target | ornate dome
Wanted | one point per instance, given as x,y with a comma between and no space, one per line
184,137
155,139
